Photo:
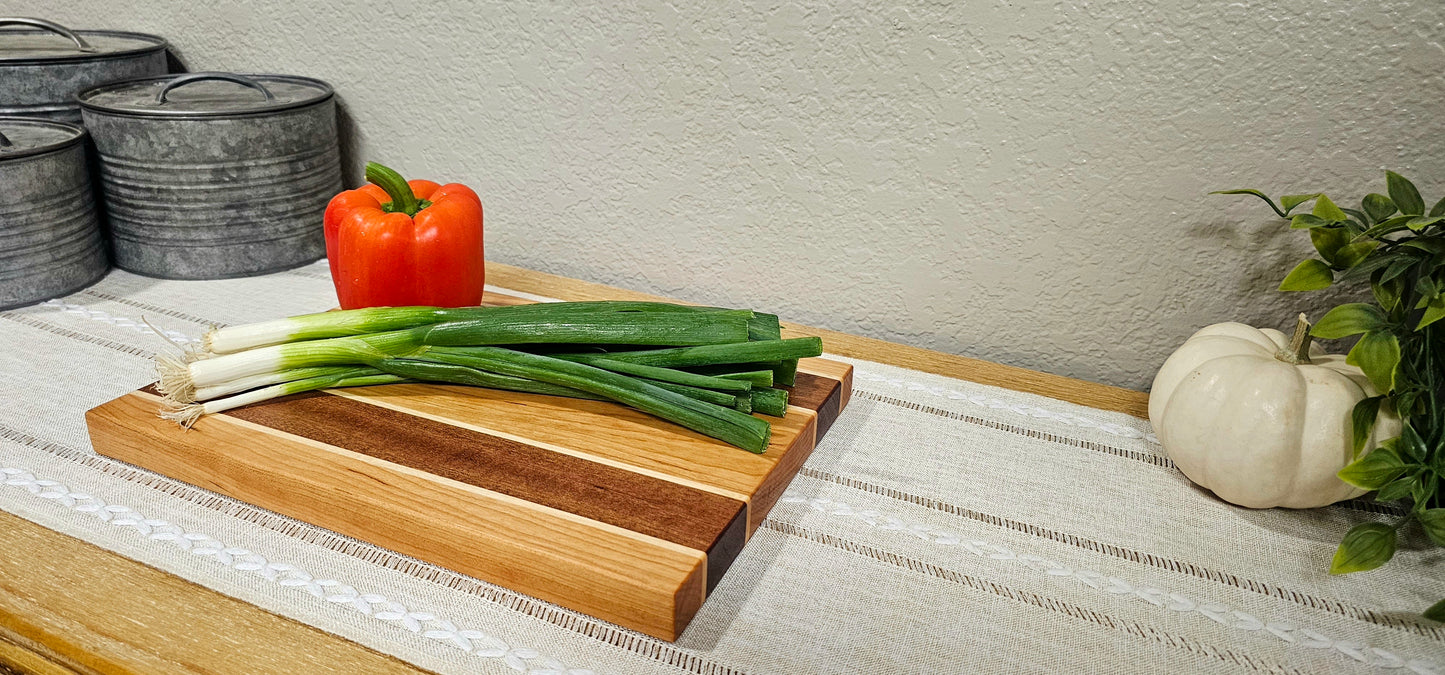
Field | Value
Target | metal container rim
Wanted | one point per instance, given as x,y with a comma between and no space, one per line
158,43
80,134
328,93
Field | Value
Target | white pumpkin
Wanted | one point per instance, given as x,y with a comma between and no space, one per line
1259,418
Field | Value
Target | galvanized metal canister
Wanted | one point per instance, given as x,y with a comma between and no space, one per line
215,175
50,242
44,65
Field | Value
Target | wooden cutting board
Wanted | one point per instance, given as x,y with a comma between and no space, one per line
586,504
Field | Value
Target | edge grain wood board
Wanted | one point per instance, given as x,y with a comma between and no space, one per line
586,504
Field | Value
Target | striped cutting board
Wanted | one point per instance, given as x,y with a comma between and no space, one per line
590,505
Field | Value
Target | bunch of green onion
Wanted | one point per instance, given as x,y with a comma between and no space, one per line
701,367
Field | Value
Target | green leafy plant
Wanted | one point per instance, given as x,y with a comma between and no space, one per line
1398,247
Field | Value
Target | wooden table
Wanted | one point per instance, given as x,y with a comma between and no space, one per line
67,606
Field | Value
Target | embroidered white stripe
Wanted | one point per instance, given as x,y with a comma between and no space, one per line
1175,602
982,401
120,321
520,658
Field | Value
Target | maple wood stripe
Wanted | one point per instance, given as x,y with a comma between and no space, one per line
668,511
823,395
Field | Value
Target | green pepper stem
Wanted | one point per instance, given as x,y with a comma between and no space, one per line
403,200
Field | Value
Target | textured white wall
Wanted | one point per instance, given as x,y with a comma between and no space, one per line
1017,181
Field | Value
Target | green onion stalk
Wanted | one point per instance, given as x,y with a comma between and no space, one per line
732,357
357,322
187,414
744,431
578,327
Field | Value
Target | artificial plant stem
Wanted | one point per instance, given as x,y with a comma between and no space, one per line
403,200
1433,388
1298,351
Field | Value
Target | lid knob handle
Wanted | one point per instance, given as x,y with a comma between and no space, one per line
51,26
225,77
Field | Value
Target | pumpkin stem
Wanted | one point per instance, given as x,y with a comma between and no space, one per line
1298,351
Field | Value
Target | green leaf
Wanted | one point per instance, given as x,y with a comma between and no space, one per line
1404,194
1388,293
1397,489
1378,354
1439,208
1324,208
1405,402
1397,268
1355,216
1310,275
1304,220
1354,254
1365,547
1349,319
1410,445
1374,470
1424,489
1434,522
1362,421
1328,240
1417,223
1291,201
1427,244
1434,311
1387,226
1366,268
1436,611
1257,193
1427,288
1377,206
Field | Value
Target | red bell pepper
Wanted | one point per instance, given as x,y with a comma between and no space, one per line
392,243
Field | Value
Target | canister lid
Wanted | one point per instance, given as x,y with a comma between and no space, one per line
25,40
25,136
205,95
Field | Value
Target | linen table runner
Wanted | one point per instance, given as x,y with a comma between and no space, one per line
941,526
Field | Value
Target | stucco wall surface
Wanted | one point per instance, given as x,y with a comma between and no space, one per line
1016,181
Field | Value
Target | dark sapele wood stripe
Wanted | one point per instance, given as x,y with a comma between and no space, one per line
823,395
726,549
652,506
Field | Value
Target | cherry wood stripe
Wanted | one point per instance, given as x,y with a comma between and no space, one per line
643,504
823,395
